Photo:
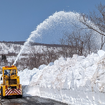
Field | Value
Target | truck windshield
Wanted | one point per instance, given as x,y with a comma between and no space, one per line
10,72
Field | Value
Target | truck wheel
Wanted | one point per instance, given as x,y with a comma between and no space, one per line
19,96
2,93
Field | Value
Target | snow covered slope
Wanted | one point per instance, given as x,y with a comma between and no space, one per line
78,80
11,50
6,48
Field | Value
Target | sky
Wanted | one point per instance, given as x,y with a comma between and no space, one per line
18,18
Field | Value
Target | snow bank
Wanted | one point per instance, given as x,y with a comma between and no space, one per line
77,80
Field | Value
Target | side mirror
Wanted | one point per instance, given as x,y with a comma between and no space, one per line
1,78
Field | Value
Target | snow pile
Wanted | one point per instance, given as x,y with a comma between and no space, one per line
77,80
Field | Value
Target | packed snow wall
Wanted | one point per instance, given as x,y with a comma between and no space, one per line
78,80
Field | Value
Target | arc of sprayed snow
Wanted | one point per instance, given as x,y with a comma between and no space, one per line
31,38
48,22
34,34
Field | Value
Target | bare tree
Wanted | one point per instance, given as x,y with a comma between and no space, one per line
78,42
39,56
97,22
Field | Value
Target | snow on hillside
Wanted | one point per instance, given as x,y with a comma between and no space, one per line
78,80
11,50
6,48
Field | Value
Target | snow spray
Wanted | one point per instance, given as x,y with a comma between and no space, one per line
31,38
55,26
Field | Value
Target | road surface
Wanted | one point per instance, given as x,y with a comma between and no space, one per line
29,101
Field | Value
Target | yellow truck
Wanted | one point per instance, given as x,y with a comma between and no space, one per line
11,83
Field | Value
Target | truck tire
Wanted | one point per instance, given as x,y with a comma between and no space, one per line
2,93
19,96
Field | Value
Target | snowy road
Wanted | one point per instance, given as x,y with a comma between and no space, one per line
29,101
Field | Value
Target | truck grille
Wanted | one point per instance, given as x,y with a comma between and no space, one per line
13,81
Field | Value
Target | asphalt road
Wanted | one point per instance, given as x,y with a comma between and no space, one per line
29,101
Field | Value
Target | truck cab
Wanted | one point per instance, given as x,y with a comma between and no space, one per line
10,82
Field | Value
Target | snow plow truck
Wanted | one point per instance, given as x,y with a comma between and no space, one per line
10,82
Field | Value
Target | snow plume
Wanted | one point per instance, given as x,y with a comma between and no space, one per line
54,27
31,38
